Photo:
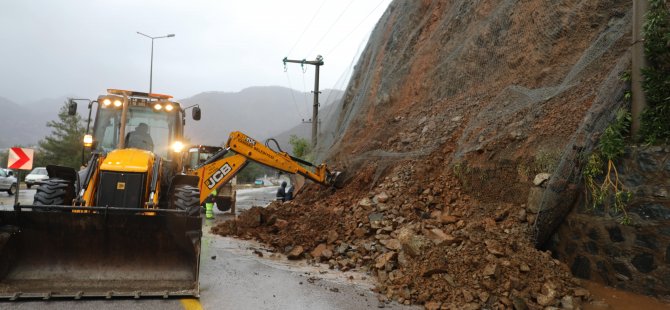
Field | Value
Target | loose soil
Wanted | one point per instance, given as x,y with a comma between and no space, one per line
428,244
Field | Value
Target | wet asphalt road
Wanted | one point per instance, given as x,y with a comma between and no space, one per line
233,277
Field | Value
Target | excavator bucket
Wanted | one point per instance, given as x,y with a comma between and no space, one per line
103,254
297,181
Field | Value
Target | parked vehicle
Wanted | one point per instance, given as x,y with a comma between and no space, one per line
7,181
36,176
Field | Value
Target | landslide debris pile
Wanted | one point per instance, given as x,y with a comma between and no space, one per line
454,108
425,241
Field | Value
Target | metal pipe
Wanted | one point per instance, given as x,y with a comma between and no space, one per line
18,186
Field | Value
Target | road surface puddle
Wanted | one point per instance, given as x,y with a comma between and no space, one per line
610,298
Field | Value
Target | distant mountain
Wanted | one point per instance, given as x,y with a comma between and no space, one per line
260,112
26,124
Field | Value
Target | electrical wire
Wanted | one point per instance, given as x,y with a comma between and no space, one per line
330,28
304,88
307,27
346,74
295,102
355,28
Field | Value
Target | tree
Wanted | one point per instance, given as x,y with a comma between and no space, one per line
63,146
301,147
3,158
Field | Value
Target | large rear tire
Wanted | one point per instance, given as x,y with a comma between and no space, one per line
54,191
224,203
187,198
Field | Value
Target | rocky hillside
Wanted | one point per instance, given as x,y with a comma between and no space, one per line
501,90
453,110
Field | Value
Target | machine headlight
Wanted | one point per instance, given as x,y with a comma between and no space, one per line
169,107
158,106
107,102
117,103
177,146
88,140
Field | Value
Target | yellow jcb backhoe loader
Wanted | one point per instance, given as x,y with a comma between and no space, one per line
223,165
127,225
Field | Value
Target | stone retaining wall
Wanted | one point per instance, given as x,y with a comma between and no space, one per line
633,257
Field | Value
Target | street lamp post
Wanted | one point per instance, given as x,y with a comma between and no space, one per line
151,68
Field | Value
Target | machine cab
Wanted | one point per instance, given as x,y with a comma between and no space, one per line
129,119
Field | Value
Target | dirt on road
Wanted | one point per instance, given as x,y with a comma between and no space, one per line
430,245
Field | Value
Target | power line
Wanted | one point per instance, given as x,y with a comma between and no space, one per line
304,87
331,27
355,28
347,72
295,103
307,27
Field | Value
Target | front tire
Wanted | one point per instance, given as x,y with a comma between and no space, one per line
28,185
54,191
187,198
11,190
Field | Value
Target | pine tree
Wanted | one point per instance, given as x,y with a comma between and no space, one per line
63,146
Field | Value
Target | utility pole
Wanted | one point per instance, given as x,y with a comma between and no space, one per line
639,103
315,108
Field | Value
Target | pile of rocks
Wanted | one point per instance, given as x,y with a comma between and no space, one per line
425,241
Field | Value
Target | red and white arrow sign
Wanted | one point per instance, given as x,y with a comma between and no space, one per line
20,158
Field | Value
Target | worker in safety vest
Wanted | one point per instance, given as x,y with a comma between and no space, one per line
209,206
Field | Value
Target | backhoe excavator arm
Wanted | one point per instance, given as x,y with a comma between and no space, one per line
253,150
222,167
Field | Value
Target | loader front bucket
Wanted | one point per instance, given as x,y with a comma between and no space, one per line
105,254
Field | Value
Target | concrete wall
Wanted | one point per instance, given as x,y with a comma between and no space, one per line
634,257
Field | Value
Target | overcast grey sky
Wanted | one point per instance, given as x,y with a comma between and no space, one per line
51,48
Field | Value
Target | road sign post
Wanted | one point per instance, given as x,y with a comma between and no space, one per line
18,187
19,159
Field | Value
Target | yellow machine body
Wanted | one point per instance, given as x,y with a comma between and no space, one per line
113,229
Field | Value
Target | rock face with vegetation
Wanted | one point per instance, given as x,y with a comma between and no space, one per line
505,90
633,256
463,132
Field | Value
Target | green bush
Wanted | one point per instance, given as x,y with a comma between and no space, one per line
301,147
613,139
601,177
656,118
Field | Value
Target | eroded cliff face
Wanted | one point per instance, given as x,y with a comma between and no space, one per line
496,79
503,89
